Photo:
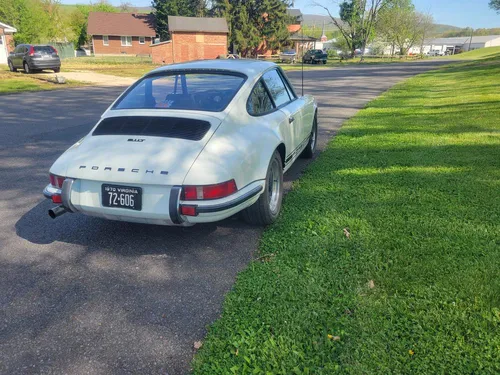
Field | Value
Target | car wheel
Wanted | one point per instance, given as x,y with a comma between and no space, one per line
310,149
267,208
11,67
57,70
324,62
26,68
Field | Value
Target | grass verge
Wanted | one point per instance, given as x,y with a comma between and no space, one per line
119,66
386,258
336,63
19,82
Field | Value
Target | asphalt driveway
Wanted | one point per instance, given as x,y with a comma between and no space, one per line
84,295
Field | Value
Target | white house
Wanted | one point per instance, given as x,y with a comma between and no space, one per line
6,44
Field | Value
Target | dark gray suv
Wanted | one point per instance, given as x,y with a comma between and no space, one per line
32,58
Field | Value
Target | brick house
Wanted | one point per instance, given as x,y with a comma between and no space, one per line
192,38
121,33
6,41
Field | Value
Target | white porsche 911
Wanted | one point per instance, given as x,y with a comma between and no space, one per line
190,143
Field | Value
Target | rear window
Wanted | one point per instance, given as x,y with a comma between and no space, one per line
46,50
190,91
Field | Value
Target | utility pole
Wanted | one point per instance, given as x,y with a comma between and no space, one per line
471,34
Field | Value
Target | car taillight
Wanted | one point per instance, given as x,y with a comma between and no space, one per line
53,49
56,181
32,51
202,192
56,198
188,210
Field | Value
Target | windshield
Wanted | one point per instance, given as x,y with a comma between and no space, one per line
193,91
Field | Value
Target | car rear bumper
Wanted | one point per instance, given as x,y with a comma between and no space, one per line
161,204
45,64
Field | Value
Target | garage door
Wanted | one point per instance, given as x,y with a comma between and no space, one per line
3,50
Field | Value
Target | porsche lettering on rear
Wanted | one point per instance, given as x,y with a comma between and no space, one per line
133,170
190,143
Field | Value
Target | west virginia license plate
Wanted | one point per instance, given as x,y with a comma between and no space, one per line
122,197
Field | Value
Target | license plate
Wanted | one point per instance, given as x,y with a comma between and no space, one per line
122,197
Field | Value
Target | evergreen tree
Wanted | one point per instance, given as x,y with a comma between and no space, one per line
251,22
165,8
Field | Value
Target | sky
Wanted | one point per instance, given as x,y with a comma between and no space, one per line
461,13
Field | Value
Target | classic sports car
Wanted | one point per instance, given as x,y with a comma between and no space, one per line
190,143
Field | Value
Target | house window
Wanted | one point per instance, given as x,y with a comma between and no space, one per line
142,40
105,40
126,41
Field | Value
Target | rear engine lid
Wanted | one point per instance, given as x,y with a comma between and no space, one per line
139,149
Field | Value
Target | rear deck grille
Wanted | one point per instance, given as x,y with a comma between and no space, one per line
168,127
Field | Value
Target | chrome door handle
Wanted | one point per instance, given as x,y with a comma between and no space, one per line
291,119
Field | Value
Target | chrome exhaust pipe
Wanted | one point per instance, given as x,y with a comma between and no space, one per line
57,211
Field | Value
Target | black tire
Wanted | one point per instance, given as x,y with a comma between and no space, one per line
57,70
11,67
324,62
267,208
310,149
26,68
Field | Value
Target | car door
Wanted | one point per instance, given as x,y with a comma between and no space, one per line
15,56
261,105
287,102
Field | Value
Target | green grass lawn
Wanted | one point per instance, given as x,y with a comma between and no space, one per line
386,258
20,82
126,66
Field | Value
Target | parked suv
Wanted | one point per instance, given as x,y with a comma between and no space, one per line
31,58
315,56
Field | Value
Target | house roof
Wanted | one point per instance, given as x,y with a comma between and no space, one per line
8,28
294,12
197,24
126,24
461,40
298,37
484,39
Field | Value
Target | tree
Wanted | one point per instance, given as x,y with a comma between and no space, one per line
252,23
165,8
79,19
358,19
495,5
127,7
402,26
30,18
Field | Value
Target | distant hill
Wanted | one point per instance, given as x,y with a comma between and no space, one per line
70,7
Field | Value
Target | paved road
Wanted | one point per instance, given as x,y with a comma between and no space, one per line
83,295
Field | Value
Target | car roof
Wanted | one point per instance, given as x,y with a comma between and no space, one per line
247,67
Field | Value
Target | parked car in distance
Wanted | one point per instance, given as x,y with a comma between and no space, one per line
315,56
32,58
435,52
190,143
289,56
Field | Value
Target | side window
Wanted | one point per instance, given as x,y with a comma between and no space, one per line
288,85
276,87
259,101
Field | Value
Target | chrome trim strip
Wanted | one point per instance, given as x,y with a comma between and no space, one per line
50,190
66,195
226,206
